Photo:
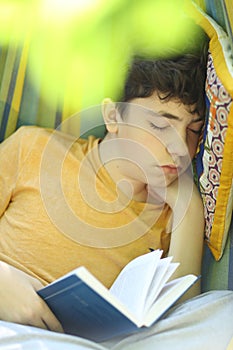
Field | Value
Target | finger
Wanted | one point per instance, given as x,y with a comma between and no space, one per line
37,285
46,318
38,323
54,326
50,320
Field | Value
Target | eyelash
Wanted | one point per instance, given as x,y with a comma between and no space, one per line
196,132
156,127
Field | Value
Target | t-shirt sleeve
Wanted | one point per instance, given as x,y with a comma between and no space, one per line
13,152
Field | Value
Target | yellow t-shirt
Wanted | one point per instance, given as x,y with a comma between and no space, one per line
60,209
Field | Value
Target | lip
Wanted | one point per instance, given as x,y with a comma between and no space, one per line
170,169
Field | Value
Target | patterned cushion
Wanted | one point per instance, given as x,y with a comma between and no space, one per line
215,157
210,162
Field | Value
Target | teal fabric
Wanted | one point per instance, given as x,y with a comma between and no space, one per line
218,274
214,8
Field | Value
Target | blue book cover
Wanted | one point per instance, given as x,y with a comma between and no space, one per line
84,312
86,308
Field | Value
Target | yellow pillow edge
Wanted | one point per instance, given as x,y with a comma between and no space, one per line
219,229
211,29
220,226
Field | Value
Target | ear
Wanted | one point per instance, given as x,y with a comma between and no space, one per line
111,115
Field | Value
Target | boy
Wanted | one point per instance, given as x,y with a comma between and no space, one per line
101,203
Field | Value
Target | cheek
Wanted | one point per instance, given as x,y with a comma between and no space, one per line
192,144
146,139
153,143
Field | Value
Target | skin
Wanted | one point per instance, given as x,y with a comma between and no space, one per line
22,304
169,134
166,144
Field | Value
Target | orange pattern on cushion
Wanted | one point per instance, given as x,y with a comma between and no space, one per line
215,180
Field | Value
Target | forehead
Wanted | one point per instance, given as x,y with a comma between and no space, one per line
153,105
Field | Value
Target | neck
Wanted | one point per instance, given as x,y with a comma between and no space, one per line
128,177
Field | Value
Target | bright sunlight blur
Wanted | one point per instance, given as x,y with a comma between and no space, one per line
79,49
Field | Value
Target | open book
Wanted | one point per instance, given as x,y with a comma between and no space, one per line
140,295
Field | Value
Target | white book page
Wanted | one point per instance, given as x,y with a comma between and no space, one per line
168,296
132,284
90,280
164,271
99,288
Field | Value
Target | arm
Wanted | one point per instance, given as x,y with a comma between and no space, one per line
19,301
187,229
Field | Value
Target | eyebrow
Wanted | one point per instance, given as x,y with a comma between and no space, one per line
171,116
163,114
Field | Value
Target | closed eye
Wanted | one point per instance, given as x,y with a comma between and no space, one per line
196,127
196,132
158,127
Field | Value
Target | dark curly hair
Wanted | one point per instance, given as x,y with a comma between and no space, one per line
179,77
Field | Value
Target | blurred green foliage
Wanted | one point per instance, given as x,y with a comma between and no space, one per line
80,49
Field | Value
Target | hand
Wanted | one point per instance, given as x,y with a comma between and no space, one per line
188,222
20,303
177,194
187,226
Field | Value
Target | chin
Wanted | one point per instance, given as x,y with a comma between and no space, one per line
163,183
171,180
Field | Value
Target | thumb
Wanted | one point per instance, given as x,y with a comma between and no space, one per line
36,284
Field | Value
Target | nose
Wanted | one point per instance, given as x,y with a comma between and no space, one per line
176,144
177,148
